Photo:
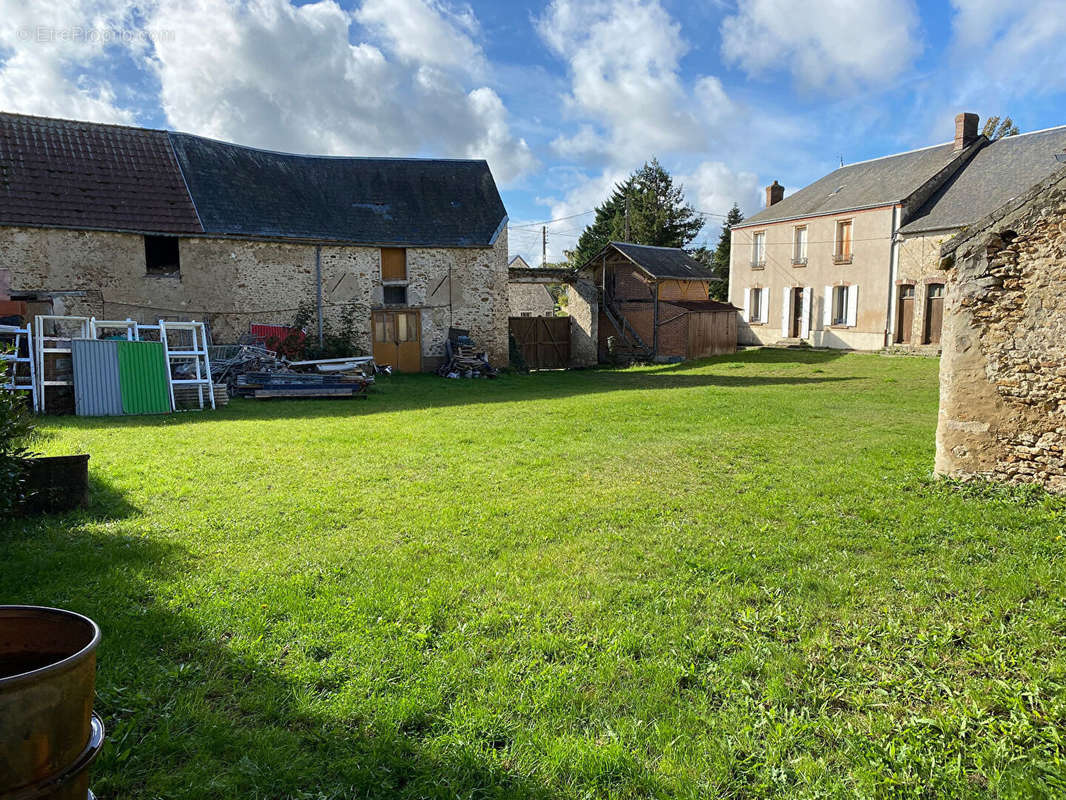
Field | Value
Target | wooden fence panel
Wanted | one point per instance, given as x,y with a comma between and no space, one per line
543,341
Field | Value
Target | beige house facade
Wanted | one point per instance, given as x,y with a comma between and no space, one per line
851,261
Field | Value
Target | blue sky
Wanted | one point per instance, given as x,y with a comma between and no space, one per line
563,98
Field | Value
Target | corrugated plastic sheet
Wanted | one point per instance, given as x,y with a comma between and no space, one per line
142,371
97,391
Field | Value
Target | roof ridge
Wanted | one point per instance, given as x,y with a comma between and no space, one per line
653,246
82,122
890,155
319,155
1029,133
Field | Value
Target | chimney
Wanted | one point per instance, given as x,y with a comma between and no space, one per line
775,193
965,130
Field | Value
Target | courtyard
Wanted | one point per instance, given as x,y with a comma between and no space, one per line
730,578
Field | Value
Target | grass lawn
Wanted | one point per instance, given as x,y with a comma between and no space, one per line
733,579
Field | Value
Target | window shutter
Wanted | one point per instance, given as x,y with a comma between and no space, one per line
764,307
853,305
786,295
747,303
805,324
827,312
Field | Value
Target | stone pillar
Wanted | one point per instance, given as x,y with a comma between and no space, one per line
583,302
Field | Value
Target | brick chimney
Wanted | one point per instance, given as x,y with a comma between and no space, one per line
775,193
965,130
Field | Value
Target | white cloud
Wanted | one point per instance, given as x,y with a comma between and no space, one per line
425,32
836,44
713,186
623,58
48,50
271,74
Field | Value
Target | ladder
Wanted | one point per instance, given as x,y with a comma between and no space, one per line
18,380
96,326
178,359
54,344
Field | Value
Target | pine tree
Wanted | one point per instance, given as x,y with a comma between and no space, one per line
658,215
719,260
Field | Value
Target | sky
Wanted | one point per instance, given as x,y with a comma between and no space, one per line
563,98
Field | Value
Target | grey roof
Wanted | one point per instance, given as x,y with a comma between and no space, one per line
92,176
865,184
242,191
664,262
999,172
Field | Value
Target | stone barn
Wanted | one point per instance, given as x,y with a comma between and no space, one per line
119,222
654,304
1003,369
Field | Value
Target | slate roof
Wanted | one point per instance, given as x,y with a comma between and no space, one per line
242,191
664,262
59,173
1000,171
91,176
865,184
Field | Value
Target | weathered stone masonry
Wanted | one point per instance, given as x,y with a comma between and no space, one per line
1003,370
230,283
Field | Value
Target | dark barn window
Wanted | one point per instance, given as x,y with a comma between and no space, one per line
161,255
395,295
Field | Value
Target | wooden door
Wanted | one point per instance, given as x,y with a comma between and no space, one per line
398,339
934,312
905,315
797,314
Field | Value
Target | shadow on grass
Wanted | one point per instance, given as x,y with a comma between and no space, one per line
189,717
406,392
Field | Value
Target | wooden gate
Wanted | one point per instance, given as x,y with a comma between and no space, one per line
543,341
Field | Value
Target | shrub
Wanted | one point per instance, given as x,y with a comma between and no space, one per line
16,430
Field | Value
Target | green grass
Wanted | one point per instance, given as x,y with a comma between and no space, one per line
731,579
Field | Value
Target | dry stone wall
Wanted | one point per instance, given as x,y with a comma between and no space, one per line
1003,370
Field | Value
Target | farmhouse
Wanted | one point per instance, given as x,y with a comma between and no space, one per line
654,304
850,261
115,222
1003,372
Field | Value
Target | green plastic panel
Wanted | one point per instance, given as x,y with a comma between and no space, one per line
142,374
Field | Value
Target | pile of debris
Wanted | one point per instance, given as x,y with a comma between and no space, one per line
265,385
461,360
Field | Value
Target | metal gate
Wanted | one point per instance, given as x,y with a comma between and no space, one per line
543,341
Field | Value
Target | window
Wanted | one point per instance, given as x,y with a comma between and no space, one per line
393,264
755,308
840,305
799,246
842,254
395,295
758,249
161,255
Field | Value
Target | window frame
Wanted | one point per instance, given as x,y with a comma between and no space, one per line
839,256
756,305
394,287
840,291
758,250
799,259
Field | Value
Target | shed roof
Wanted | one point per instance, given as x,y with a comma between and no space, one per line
663,262
1000,171
864,184
702,305
242,191
60,173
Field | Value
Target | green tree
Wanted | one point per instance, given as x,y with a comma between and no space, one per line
658,215
719,260
16,429
997,129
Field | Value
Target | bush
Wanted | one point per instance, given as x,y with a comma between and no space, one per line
338,338
16,431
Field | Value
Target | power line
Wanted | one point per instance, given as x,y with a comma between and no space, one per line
549,221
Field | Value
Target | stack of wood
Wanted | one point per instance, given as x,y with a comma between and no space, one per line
461,359
188,397
265,385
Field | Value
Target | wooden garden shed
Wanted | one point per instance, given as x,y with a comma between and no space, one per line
654,305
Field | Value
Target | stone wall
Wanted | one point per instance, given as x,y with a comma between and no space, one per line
1003,369
230,283
530,300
